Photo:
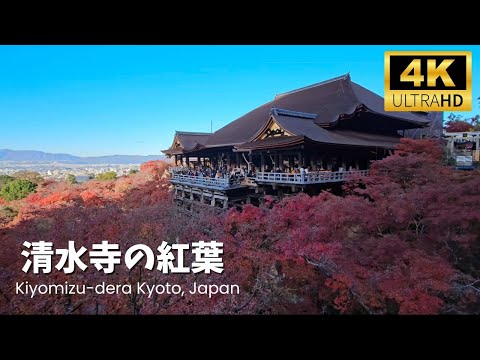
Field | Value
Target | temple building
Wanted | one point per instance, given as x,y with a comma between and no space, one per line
299,141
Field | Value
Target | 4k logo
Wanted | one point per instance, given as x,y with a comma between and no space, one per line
428,80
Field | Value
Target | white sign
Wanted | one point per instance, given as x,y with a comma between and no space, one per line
464,160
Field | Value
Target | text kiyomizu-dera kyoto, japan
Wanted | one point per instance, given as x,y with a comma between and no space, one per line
303,140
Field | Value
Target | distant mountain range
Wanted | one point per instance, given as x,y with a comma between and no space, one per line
40,156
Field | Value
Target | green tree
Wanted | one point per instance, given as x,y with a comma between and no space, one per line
7,214
32,176
5,179
132,171
17,189
109,175
71,179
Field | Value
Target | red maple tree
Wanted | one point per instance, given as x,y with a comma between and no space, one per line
402,241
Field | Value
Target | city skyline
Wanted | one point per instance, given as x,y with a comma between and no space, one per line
105,100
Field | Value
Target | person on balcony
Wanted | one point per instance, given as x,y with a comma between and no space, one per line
302,174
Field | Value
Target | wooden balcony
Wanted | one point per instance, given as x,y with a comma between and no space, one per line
266,178
310,178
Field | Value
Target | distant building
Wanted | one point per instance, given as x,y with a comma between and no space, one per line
463,144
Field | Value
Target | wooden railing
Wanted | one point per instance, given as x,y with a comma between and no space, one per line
267,177
310,178
201,180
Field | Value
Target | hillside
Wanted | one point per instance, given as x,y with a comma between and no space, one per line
40,156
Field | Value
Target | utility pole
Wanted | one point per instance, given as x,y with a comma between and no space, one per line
211,126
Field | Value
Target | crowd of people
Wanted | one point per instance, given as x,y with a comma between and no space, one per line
235,175
288,169
238,174
225,171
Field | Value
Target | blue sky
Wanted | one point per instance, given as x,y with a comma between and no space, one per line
102,100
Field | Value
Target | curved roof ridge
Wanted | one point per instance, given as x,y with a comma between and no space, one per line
300,114
191,133
341,77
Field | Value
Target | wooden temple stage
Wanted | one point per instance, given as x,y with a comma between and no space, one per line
304,140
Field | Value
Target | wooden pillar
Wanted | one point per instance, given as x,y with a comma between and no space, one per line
225,202
357,164
280,162
477,147
290,161
344,163
300,159
202,197
212,202
250,160
262,162
237,159
188,161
